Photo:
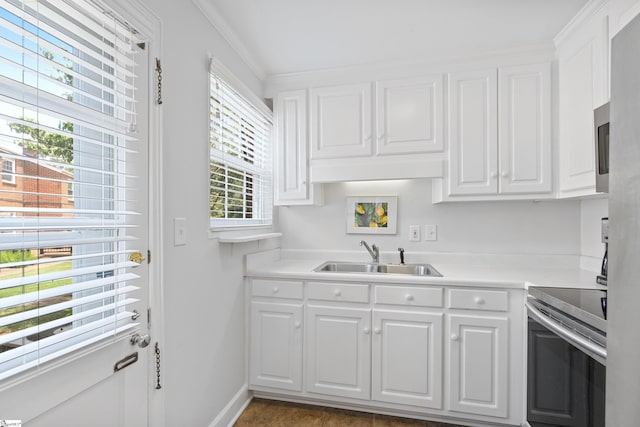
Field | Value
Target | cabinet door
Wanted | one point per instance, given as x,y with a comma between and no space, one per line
410,115
407,358
473,133
478,375
338,351
583,59
524,138
341,121
557,386
276,345
577,152
291,157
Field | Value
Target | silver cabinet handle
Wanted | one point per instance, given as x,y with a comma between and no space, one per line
568,335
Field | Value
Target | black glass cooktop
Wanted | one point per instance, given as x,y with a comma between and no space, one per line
587,305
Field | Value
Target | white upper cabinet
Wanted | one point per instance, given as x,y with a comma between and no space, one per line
473,132
499,134
524,129
583,58
410,115
341,121
292,186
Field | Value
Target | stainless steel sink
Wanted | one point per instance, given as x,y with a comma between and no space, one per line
363,267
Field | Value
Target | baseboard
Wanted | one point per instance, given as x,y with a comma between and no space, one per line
230,413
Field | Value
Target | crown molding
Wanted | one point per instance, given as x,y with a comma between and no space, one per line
587,12
543,52
213,16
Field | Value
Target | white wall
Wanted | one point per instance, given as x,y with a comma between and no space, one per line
591,246
551,227
203,350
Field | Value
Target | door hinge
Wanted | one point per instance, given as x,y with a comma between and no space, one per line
148,256
148,317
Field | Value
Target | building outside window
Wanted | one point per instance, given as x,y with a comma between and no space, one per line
8,171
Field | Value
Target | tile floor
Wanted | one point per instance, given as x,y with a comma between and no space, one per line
262,412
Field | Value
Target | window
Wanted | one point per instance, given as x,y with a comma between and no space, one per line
8,171
240,157
67,89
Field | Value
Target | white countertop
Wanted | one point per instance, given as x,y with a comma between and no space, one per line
455,273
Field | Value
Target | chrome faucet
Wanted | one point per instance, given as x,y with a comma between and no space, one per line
373,251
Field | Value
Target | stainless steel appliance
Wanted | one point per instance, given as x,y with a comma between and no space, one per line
567,354
623,319
601,122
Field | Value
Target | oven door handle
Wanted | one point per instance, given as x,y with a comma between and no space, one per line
567,334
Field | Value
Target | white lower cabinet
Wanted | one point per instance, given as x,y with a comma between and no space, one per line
338,355
276,345
479,364
407,358
446,351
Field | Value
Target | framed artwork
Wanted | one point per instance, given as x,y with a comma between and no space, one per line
371,215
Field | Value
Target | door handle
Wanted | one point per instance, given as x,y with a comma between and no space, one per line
136,257
141,340
126,361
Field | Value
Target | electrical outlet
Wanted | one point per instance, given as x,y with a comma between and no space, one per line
431,232
414,233
179,231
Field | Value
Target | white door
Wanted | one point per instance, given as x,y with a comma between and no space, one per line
524,103
338,351
473,132
479,367
275,345
75,233
407,358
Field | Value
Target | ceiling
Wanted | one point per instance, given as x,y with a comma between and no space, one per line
285,36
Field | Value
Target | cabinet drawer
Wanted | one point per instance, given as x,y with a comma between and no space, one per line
328,291
472,299
401,295
277,289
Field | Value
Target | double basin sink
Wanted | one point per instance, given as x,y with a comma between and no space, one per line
364,267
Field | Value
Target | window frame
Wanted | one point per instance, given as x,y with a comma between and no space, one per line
10,173
262,199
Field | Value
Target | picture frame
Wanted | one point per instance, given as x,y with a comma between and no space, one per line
371,214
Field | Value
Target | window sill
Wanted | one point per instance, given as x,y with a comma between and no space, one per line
245,238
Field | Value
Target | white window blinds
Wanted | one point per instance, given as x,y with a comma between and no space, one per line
241,192
67,92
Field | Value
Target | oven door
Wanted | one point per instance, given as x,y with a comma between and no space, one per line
565,384
567,329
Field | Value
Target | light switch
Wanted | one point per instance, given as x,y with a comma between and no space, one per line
414,233
431,232
179,231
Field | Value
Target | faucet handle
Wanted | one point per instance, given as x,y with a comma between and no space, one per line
401,250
